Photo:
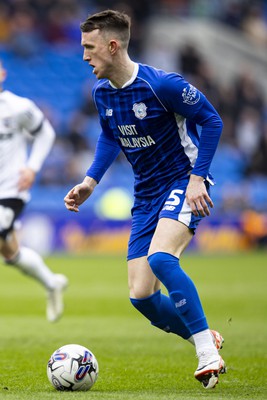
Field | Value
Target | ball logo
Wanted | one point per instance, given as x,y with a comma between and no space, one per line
87,357
139,110
82,371
190,95
60,356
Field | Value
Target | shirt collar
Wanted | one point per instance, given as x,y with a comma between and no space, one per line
130,81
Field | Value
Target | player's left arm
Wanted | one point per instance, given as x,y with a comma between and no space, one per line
184,99
211,123
39,128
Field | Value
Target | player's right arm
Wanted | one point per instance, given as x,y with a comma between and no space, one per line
31,119
107,149
79,194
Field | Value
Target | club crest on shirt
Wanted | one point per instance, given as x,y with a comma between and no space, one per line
190,95
139,110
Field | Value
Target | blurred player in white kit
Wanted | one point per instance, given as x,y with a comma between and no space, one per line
20,120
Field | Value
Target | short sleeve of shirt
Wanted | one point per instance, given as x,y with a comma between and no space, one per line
180,96
30,117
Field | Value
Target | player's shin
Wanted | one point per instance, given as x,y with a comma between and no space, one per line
159,310
31,263
181,289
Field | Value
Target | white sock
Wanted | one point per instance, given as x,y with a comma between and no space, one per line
203,342
32,264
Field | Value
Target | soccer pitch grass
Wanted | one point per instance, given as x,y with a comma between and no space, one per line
136,360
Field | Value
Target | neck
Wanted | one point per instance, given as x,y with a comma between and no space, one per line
123,73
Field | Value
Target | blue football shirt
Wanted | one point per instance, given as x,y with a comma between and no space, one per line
154,119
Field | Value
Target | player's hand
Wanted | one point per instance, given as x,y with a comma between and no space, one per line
197,196
26,178
77,195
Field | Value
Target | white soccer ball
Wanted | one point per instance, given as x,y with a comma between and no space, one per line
72,367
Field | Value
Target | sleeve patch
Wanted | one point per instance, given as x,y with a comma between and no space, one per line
190,95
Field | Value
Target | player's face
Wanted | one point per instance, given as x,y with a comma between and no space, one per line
97,53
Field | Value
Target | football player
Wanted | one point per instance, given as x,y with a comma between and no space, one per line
21,122
155,118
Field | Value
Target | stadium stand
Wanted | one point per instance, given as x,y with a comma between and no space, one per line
221,49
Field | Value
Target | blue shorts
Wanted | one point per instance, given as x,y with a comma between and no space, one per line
145,216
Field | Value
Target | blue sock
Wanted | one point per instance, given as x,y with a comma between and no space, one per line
160,311
181,290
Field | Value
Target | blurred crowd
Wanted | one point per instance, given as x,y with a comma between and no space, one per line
29,27
241,104
27,24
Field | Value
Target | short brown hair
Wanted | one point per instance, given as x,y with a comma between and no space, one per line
109,21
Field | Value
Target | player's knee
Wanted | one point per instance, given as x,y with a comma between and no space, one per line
156,262
140,286
162,265
140,291
12,260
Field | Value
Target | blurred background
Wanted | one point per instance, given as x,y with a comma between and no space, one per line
220,46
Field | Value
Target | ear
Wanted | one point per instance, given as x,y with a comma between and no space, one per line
113,46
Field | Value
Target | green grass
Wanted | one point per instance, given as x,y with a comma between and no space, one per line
136,360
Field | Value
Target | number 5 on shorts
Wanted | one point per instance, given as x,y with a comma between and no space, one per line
174,199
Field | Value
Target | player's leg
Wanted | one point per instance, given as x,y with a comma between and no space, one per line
146,297
145,293
31,263
27,260
169,241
